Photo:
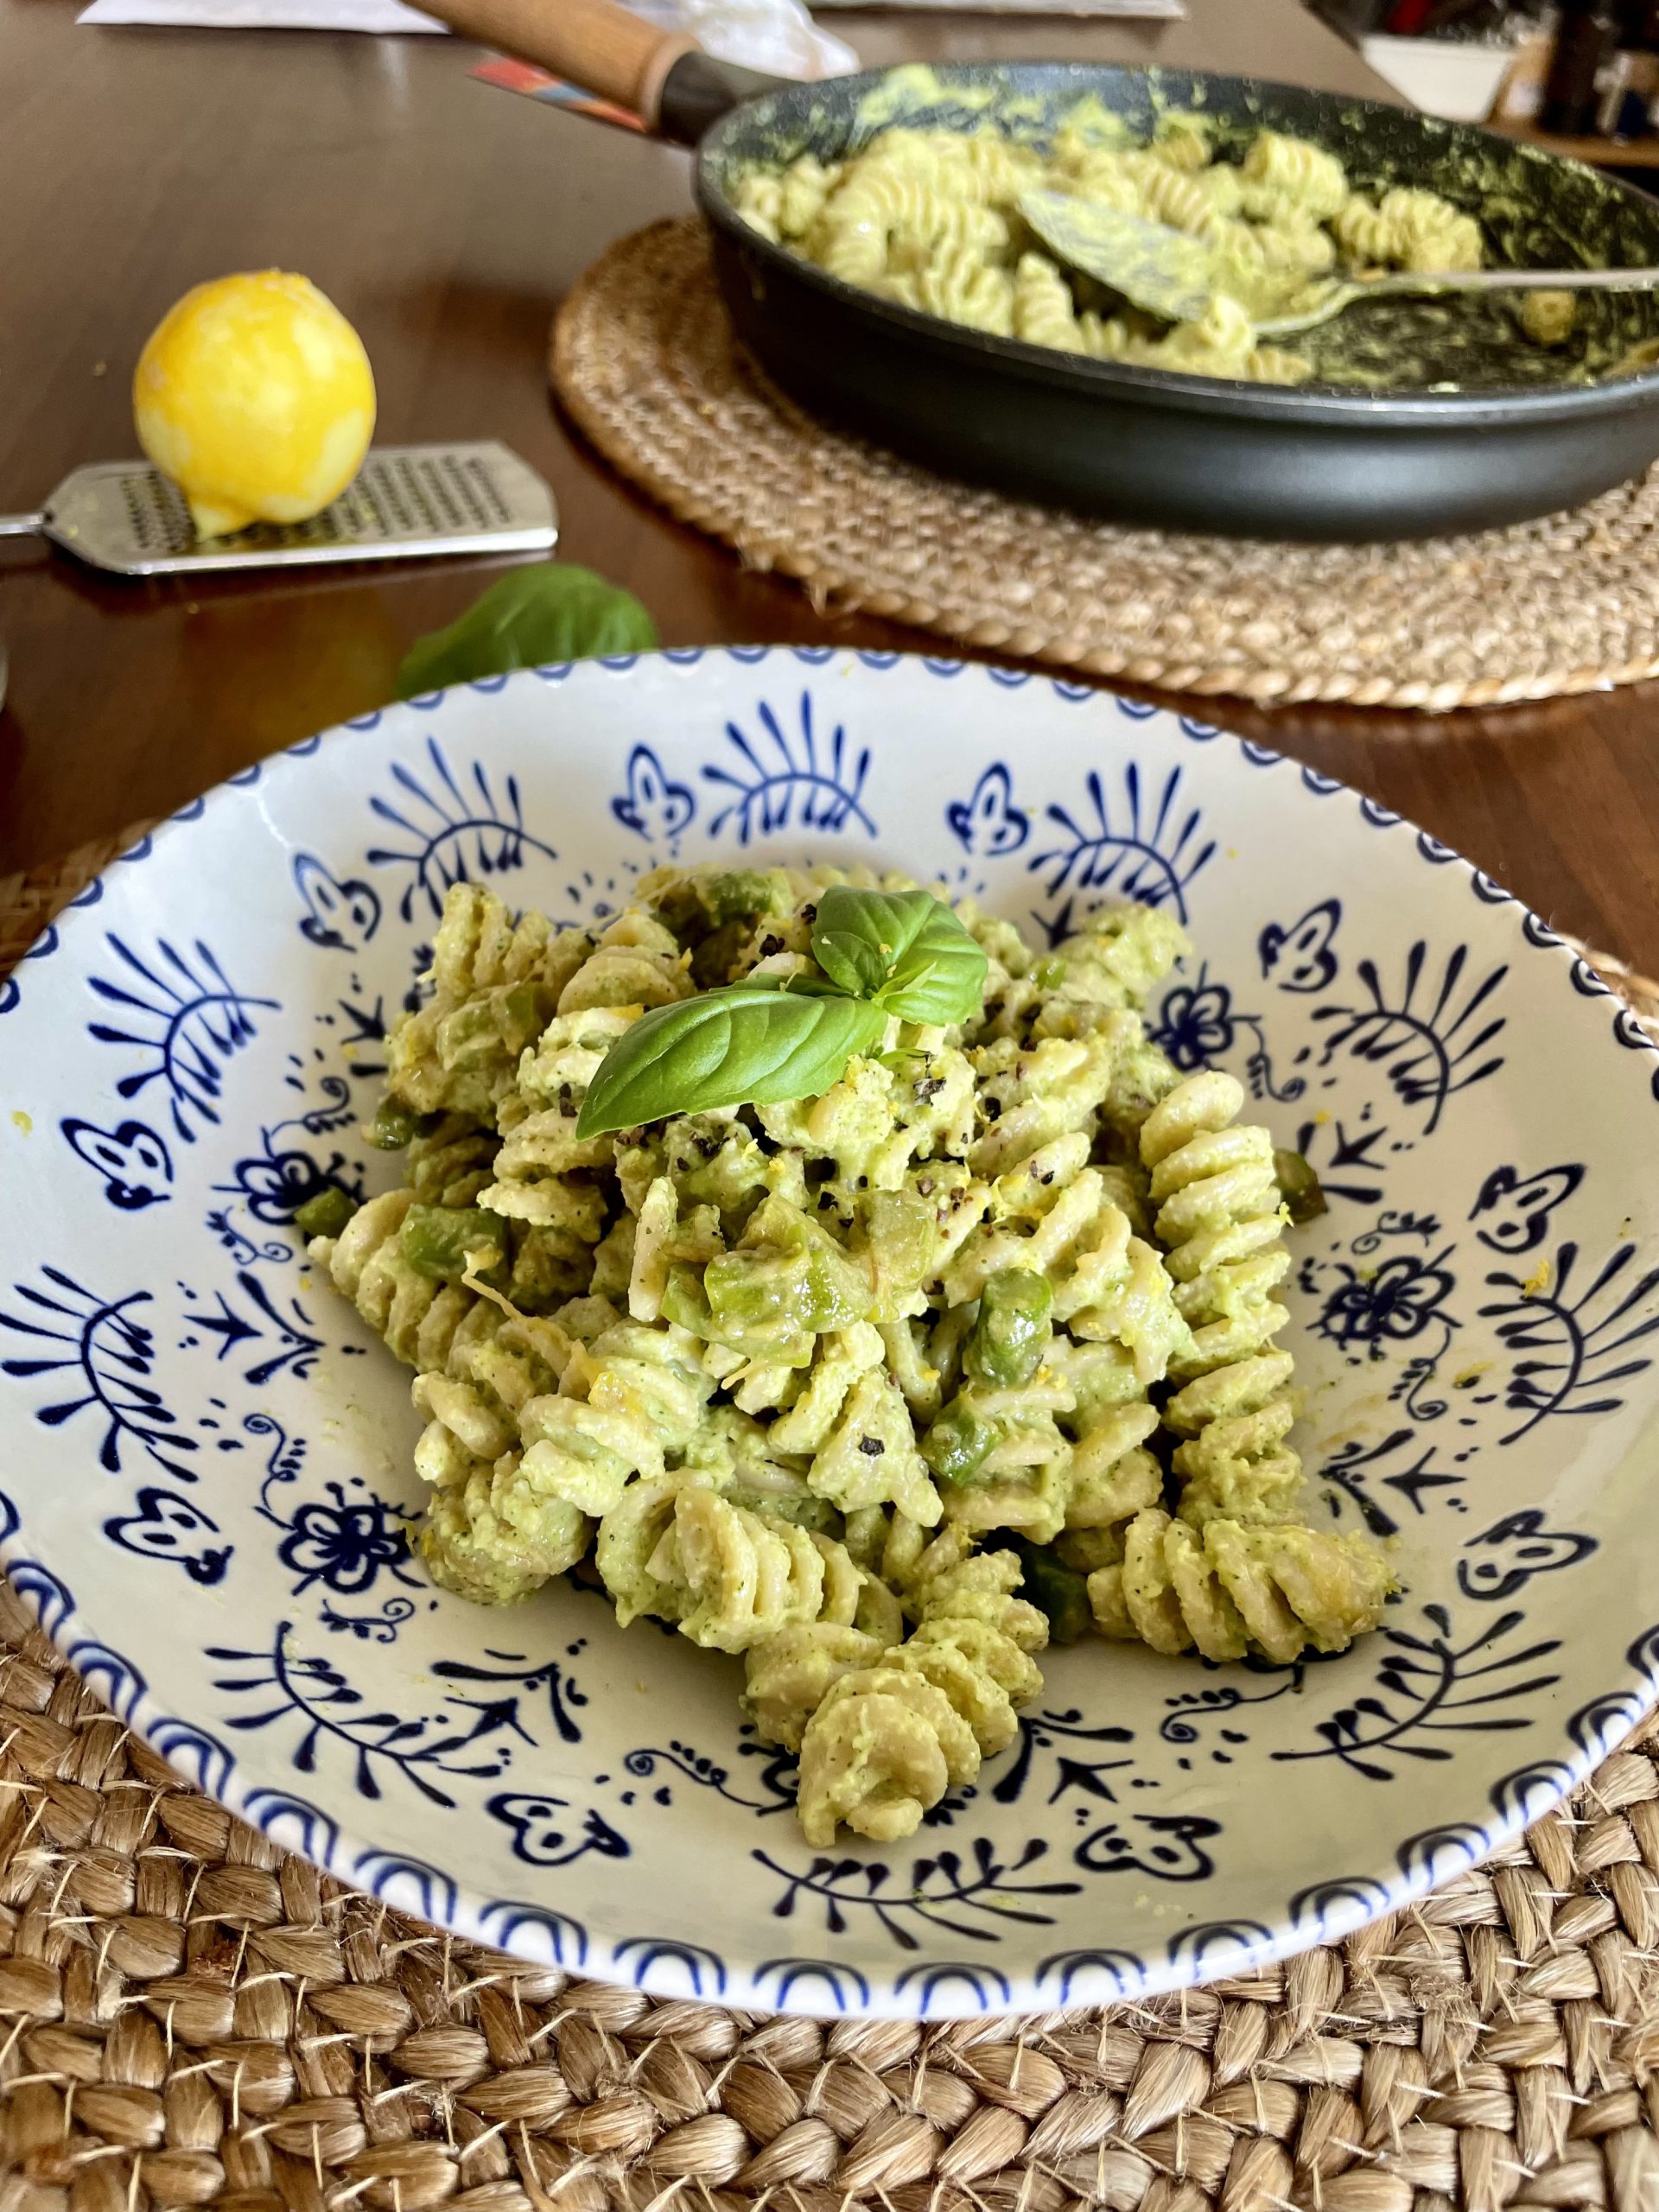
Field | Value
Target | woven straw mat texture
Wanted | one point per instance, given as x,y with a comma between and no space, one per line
645,360
188,2017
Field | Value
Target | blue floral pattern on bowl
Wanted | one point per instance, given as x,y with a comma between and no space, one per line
207,1485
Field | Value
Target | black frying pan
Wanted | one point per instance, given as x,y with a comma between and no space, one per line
1322,461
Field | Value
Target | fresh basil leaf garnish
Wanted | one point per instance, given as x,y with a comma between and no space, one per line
940,978
855,936
774,979
774,1036
736,1047
551,611
904,948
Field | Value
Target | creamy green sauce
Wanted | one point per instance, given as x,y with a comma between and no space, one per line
1536,211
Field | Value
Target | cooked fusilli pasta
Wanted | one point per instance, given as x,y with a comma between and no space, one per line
414,1312
1229,1590
732,1577
472,1546
932,218
784,1368
1220,1223
888,1739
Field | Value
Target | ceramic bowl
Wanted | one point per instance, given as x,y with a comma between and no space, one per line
205,1457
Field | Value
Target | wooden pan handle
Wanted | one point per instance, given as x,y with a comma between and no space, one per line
598,46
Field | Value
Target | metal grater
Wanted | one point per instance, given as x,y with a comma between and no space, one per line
406,502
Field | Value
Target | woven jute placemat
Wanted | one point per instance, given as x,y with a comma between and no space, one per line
645,360
190,2016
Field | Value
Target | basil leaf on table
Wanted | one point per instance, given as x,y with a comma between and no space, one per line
905,948
736,1047
551,611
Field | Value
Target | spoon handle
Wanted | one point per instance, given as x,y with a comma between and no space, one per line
1396,283
1510,280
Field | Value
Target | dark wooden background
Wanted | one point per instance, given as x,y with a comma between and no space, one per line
447,219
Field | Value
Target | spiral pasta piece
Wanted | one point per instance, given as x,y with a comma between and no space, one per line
1186,199
959,284
487,1490
1411,229
1182,142
875,1124
1104,175
1110,1477
1107,337
1112,964
494,1363
1219,1218
1257,258
1057,1218
450,1162
634,963
758,196
882,1750
787,1677
953,226
496,979
1030,1093
748,1575
478,1540
636,1394
1229,1589
415,1314
870,1456
542,1170
1291,171
889,1739
1219,344
1023,1483
729,1576
976,1592
805,185
1042,311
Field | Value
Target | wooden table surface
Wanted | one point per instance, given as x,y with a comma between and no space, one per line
447,219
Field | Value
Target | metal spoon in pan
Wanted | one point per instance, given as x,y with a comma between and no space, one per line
1174,276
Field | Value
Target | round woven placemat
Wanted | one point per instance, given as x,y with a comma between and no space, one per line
189,2017
645,360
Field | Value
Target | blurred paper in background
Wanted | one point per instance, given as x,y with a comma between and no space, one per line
383,16
775,36
1167,11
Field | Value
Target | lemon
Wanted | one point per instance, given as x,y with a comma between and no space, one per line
254,394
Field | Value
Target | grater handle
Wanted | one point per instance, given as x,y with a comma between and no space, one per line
597,45
22,525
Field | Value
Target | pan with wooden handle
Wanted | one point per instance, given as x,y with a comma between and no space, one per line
663,77
1479,429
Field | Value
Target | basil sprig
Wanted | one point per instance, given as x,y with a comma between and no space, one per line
772,1038
903,949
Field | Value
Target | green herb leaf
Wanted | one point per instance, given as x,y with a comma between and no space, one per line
903,947
739,1046
810,986
551,611
855,936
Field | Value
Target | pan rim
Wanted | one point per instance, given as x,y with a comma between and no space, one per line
1311,404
